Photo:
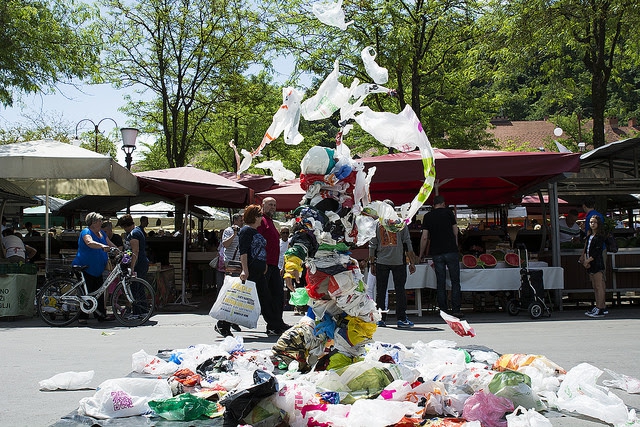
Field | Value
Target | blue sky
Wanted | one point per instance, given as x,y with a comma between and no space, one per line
93,102
97,101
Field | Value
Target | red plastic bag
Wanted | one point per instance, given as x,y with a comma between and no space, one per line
460,327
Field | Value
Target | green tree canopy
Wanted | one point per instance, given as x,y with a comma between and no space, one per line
424,46
44,43
562,57
185,53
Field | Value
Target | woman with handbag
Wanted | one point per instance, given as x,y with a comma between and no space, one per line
253,256
228,264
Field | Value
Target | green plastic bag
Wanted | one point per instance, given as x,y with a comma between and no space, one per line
184,407
516,387
299,297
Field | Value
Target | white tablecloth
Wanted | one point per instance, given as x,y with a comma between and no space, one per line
488,279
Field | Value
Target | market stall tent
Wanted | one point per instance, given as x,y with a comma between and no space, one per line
193,186
287,194
612,171
115,206
199,186
254,181
46,167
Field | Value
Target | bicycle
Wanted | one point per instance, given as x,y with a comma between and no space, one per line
65,296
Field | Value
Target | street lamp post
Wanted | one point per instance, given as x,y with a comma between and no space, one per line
129,136
95,128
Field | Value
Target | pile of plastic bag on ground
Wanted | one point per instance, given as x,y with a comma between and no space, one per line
433,384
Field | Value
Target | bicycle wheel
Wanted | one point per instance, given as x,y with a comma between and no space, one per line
52,309
137,307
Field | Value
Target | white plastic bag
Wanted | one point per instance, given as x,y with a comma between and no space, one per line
278,171
237,303
124,397
329,98
580,393
379,74
527,418
623,382
67,381
391,130
330,13
144,363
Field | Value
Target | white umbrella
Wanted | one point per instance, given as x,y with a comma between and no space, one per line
53,167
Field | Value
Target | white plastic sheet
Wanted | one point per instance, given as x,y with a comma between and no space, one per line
330,13
379,74
67,381
329,98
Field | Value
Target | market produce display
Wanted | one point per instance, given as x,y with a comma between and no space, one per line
512,259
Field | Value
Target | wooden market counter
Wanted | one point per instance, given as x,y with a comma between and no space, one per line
622,273
501,278
201,275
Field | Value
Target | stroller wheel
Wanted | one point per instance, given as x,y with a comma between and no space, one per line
513,307
535,310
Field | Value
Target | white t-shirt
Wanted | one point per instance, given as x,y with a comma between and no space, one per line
284,245
14,246
231,250
566,232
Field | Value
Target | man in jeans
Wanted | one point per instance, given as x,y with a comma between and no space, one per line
387,256
441,228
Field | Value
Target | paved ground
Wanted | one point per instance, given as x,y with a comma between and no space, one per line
32,351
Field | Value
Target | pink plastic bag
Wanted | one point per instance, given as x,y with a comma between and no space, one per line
487,408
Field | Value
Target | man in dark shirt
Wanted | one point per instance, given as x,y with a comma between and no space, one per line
144,221
441,228
30,231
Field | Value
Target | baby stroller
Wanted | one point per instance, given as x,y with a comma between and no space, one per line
530,296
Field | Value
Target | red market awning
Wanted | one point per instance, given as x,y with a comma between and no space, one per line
469,177
203,188
288,195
